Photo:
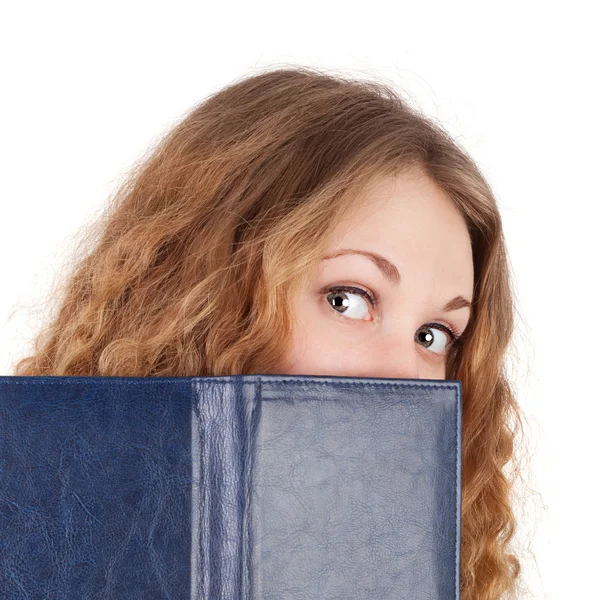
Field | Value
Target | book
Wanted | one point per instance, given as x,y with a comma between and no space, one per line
245,487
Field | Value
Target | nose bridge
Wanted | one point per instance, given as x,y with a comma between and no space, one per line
397,357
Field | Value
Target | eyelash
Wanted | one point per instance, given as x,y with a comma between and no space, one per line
454,335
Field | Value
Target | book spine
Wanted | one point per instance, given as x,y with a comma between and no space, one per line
224,420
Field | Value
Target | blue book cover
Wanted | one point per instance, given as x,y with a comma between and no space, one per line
244,487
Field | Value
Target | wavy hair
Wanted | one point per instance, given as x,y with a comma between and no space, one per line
192,267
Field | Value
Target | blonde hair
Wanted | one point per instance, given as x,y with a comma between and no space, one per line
194,264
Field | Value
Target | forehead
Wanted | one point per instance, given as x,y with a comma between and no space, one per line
410,220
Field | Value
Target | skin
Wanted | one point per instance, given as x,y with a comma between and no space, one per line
409,220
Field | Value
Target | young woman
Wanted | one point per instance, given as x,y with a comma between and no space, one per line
300,222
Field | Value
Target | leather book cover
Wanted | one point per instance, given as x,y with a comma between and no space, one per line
245,487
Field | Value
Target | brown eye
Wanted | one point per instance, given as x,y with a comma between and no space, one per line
435,342
350,302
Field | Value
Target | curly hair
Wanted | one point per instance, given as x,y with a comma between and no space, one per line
191,268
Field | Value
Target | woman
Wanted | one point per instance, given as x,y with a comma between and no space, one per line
300,222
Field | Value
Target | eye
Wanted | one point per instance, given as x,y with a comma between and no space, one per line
435,343
341,299
353,303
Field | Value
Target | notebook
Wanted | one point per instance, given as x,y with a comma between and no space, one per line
243,487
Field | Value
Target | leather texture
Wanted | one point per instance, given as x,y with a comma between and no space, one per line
245,487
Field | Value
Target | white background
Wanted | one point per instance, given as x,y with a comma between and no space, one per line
87,88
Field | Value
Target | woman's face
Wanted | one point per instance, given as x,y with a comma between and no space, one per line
422,261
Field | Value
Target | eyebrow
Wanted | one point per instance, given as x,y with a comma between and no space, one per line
391,273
